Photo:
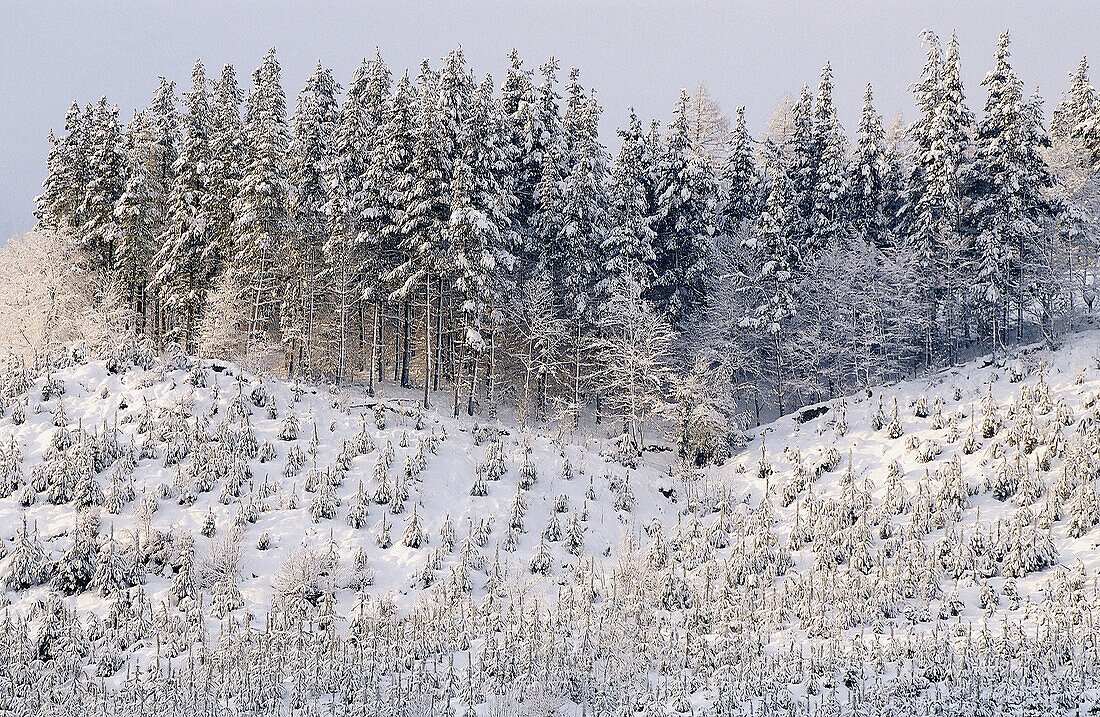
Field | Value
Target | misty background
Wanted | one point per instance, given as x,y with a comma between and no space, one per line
640,54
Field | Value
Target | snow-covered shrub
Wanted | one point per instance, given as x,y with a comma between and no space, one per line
528,474
830,459
707,436
541,561
927,451
298,582
414,535
879,419
893,428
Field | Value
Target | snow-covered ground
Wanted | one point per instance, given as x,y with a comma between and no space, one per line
890,548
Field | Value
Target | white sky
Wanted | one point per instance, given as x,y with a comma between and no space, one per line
748,52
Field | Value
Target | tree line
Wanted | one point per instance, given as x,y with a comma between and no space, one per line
481,243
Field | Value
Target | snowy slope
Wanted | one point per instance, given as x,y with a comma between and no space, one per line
963,510
94,398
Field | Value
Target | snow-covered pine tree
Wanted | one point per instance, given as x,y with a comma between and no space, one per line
260,209
829,167
185,581
58,207
227,160
867,176
628,248
310,157
73,572
165,116
533,118
1077,116
573,258
1007,183
1077,107
518,107
775,247
423,208
377,254
932,209
480,225
182,277
1075,135
683,223
105,183
350,163
798,152
740,177
140,212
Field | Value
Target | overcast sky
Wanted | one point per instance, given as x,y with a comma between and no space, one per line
748,52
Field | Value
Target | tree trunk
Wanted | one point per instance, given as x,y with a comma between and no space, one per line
381,340
373,351
473,387
405,344
456,378
491,378
427,335
438,336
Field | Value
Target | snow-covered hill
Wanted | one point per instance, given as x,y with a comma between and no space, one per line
178,535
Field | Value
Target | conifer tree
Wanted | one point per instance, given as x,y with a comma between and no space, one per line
482,206
393,158
867,182
829,152
572,257
932,211
526,138
778,258
628,247
685,198
1075,115
106,181
1008,183
181,272
742,181
227,160
58,207
350,163
372,235
260,209
311,155
424,210
140,212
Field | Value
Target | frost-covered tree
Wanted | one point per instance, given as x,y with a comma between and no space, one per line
932,210
1009,209
633,352
421,188
741,177
773,288
310,158
827,221
182,276
141,211
58,207
227,160
261,208
628,247
480,227
683,223
868,177
104,183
